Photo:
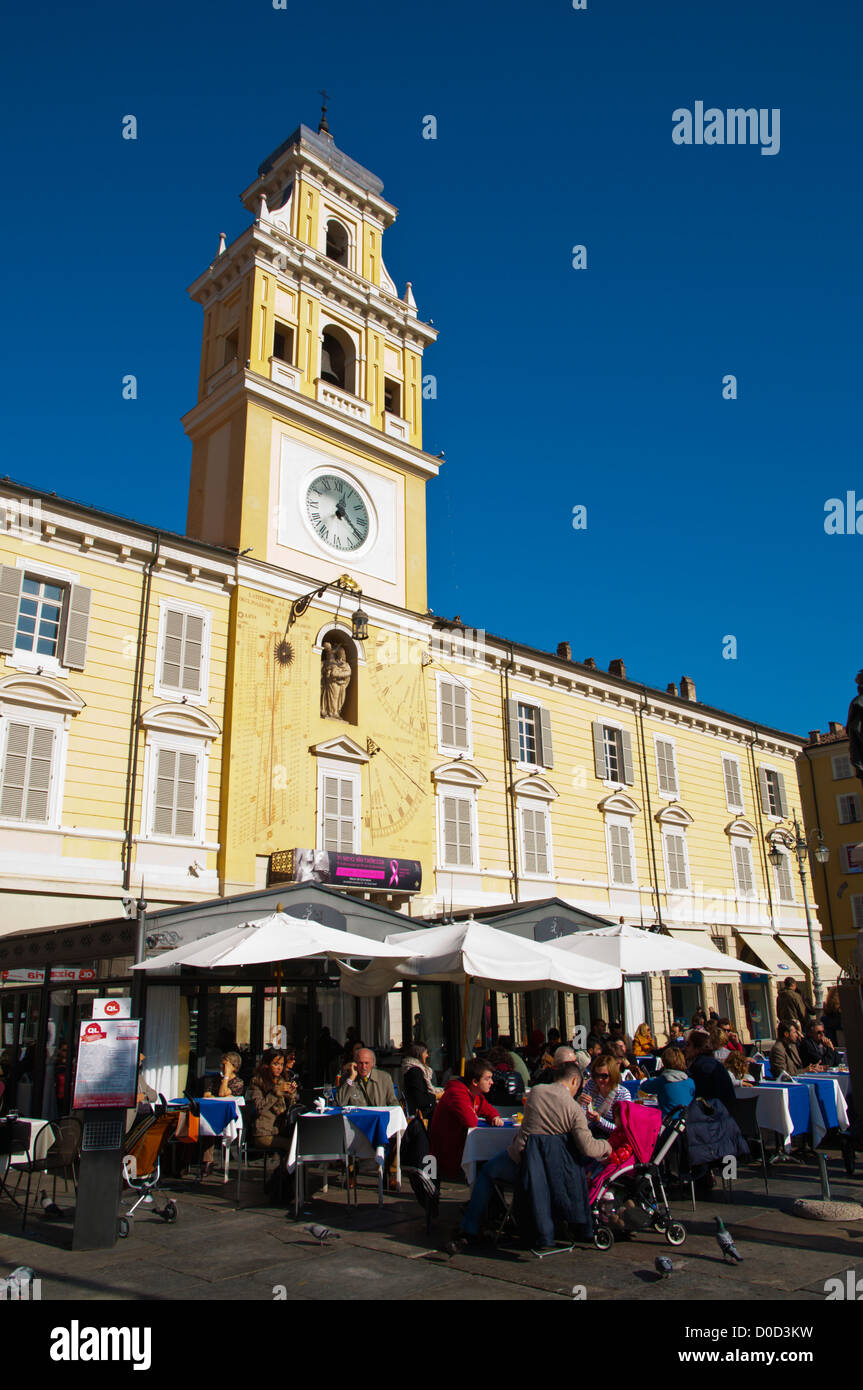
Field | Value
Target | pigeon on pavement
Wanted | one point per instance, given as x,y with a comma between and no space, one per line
663,1266
322,1233
725,1241
49,1208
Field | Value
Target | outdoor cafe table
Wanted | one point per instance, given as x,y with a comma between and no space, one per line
483,1142
219,1118
372,1127
811,1104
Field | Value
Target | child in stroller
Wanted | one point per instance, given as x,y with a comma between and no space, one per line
630,1179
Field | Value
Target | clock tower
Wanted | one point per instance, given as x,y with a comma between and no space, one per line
307,432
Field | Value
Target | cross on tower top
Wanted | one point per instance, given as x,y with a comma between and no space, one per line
323,128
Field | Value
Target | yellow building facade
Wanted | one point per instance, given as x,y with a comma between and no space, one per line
113,641
833,807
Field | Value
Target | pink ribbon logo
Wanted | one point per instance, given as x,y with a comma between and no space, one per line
394,869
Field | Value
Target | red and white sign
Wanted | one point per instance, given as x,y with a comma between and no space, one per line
106,1074
112,1008
60,975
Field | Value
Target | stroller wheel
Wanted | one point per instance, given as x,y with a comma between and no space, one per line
659,1224
124,1227
603,1238
676,1234
169,1212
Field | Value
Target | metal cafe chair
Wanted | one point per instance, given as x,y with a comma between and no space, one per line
323,1139
60,1156
743,1112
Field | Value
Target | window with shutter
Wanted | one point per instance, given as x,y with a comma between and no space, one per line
784,880
25,784
677,865
773,800
454,716
743,870
841,767
620,843
458,849
528,734
848,865
183,652
666,767
339,816
11,579
849,809
534,832
613,753
733,788
175,796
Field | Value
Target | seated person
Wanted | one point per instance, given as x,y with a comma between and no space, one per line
507,1087
463,1103
643,1041
598,1033
602,1090
732,1041
420,1093
228,1085
518,1061
738,1066
671,1086
677,1034
815,1049
363,1084
785,1054
550,1109
548,1073
272,1095
712,1081
627,1064
718,1042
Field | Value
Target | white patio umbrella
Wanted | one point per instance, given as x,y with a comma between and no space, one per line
637,952
275,938
470,952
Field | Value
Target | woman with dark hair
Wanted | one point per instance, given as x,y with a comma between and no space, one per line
272,1094
418,1086
602,1091
229,1084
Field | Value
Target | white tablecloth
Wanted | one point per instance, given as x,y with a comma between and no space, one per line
774,1111
41,1140
482,1144
843,1079
359,1145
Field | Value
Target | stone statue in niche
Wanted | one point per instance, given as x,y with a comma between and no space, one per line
335,679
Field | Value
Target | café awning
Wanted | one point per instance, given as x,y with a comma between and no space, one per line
771,952
798,947
638,952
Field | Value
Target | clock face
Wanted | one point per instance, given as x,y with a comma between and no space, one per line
337,513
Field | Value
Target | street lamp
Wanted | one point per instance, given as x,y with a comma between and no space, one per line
359,619
799,843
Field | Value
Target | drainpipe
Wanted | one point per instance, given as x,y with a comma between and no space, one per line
823,866
756,792
135,729
645,787
512,831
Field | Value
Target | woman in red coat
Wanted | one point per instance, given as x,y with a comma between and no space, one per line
461,1105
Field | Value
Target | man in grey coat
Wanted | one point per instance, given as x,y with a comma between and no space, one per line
362,1083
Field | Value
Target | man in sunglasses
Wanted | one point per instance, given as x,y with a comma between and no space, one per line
816,1049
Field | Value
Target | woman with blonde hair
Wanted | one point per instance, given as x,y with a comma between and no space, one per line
643,1041
601,1092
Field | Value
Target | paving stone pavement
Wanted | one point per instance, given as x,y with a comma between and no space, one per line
215,1252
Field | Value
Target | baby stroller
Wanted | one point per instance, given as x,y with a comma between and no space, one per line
142,1151
632,1175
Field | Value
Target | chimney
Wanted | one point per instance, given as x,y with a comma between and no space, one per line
564,650
617,668
672,688
814,735
836,728
687,688
590,663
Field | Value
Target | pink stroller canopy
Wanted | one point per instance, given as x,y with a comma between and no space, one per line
641,1125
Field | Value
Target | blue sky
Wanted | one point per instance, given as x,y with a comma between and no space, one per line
556,387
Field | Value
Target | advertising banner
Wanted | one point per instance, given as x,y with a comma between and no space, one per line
348,870
107,1072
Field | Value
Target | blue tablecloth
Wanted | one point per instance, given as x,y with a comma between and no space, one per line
826,1098
372,1123
217,1112
632,1087
798,1101
507,1124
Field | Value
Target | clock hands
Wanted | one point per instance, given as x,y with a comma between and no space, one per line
342,515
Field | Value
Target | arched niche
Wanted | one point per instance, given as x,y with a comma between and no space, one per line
330,641
338,358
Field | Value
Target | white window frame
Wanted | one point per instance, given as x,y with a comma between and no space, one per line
175,743
616,785
777,772
625,822
450,750
536,706
468,794
845,862
665,738
347,772
534,804
60,724
845,796
844,760
679,831
19,660
733,758
169,692
742,841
